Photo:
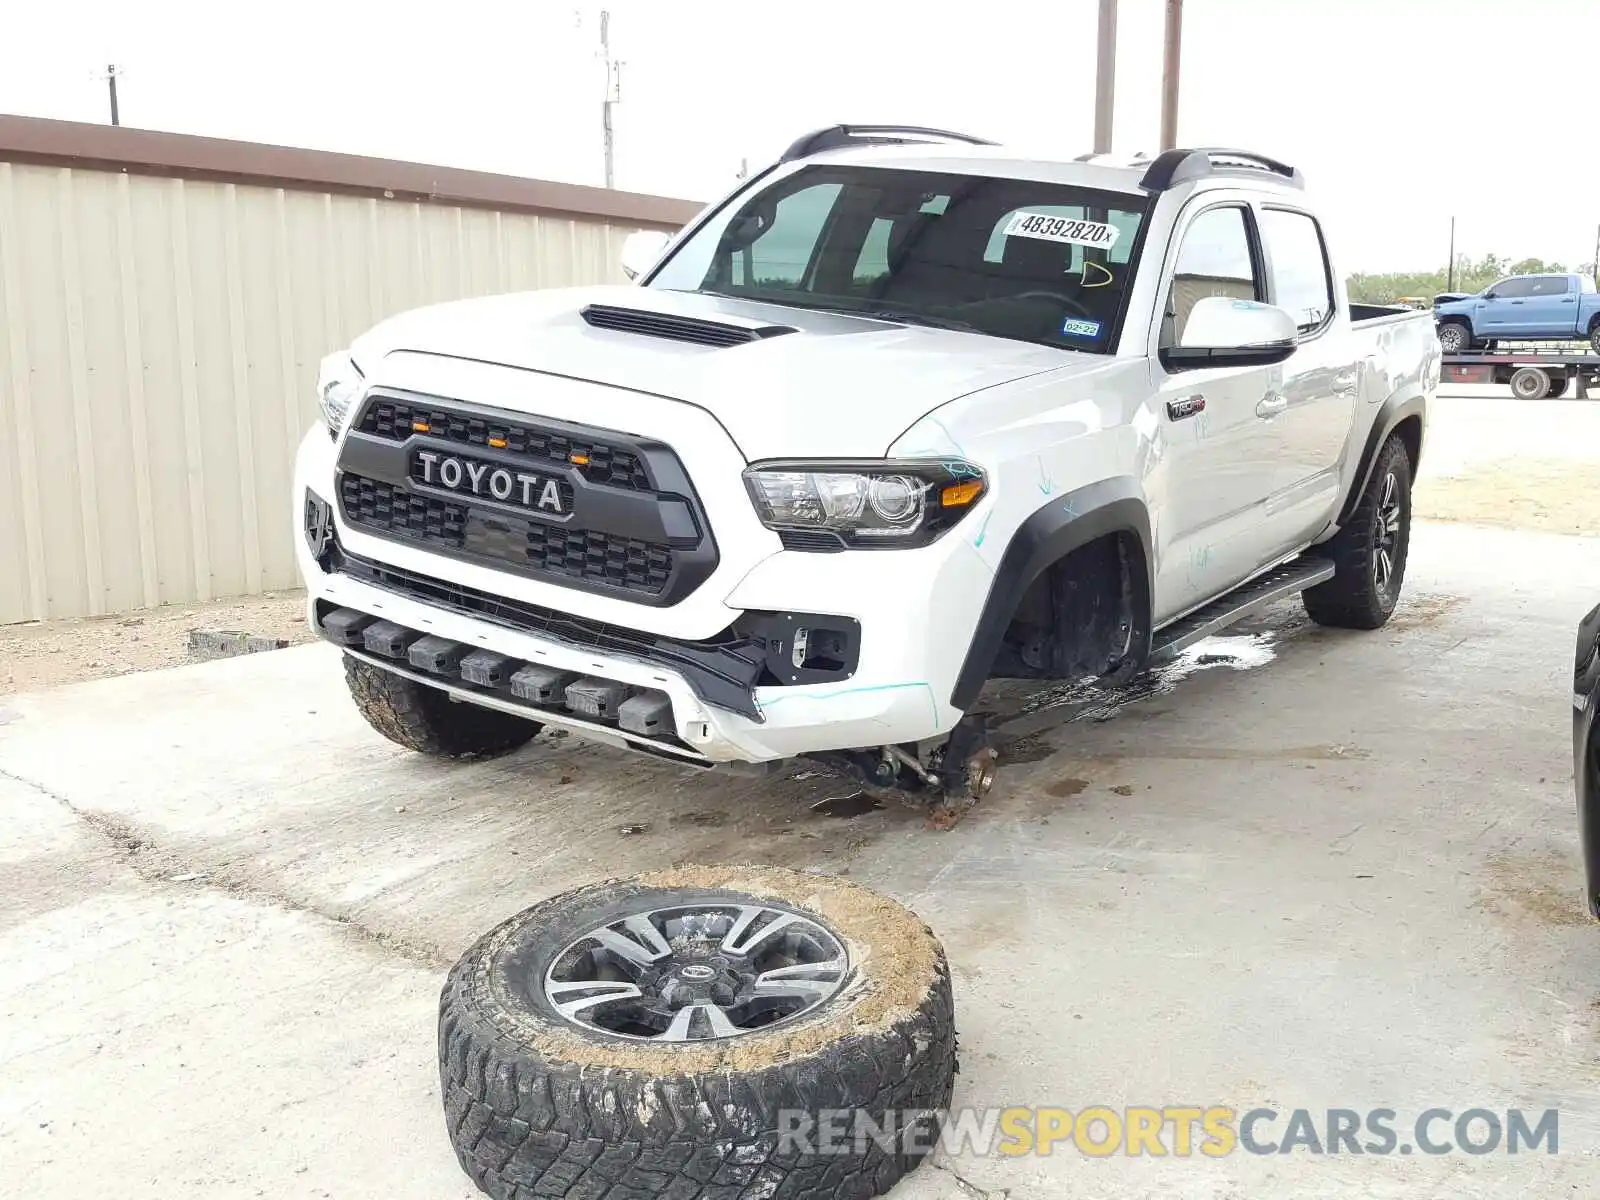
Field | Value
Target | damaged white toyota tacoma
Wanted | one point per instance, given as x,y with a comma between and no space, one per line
902,414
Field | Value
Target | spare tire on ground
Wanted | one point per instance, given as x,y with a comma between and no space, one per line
701,1033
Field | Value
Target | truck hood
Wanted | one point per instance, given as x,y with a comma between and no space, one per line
814,384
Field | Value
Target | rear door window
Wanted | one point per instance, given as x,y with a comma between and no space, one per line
1549,285
1301,281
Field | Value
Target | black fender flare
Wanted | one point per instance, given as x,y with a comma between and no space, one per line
1054,531
1396,408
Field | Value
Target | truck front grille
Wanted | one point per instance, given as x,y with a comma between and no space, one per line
598,462
583,554
596,510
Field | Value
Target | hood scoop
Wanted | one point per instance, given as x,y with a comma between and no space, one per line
678,328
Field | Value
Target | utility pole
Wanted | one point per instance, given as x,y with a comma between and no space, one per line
1171,59
613,94
1450,272
111,82
1105,77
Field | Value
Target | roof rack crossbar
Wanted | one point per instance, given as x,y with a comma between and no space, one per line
1182,166
836,136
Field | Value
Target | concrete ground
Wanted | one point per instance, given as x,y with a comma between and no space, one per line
1309,870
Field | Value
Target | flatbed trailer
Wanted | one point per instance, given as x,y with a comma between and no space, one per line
1531,370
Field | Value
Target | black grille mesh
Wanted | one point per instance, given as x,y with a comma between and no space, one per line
621,562
605,464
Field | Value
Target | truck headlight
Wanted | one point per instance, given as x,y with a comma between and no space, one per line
869,506
339,386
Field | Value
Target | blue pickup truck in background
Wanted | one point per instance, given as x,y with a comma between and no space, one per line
1520,308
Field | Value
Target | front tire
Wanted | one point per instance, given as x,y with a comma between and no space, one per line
1369,552
1454,338
1594,337
426,720
686,1034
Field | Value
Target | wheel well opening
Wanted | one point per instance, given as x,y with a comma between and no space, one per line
1409,431
1594,322
1085,616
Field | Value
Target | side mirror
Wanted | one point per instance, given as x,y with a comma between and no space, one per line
1233,333
641,250
1490,296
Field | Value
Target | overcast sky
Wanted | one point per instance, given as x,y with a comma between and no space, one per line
1400,112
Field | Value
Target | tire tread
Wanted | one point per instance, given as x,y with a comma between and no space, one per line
426,720
1350,600
527,1125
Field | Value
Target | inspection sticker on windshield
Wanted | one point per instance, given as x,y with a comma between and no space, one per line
1077,327
1062,229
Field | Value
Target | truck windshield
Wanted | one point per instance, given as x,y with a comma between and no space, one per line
1014,258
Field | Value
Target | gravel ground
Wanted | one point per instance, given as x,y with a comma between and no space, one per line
51,653
1550,495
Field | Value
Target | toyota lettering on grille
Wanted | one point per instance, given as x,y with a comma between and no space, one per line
490,480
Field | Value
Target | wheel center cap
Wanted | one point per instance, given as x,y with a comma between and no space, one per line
696,971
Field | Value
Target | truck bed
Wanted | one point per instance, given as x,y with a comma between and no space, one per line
1363,315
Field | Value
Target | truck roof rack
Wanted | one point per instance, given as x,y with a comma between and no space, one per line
1182,166
835,137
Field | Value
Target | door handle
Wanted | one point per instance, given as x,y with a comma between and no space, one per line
1272,405
1516,302
1569,300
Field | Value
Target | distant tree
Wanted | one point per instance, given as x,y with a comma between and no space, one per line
1472,275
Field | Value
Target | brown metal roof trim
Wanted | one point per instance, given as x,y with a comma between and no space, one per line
150,152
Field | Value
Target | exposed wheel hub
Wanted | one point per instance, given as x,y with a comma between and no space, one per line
981,771
968,761
1386,542
696,973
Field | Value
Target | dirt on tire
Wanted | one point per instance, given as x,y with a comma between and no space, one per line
536,1105
427,720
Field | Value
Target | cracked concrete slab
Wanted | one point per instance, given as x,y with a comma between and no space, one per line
161,1039
1342,874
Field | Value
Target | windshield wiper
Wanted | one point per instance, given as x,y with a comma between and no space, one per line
910,318
843,308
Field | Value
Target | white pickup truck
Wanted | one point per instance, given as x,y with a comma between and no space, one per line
903,413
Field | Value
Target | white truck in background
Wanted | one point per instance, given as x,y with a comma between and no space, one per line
902,413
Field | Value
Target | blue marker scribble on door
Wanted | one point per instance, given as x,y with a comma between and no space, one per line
1045,484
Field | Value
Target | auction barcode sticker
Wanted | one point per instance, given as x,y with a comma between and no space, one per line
1062,229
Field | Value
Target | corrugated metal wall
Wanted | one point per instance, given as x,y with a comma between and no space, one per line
159,340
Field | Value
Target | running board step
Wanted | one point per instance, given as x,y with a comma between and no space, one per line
1287,580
